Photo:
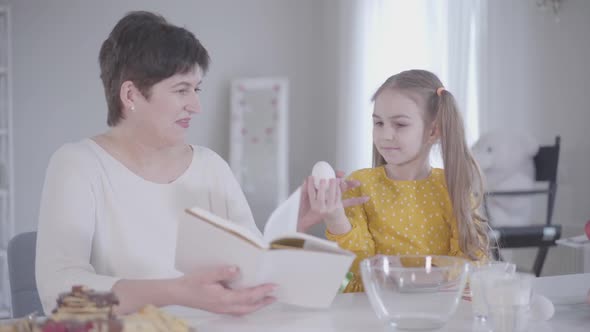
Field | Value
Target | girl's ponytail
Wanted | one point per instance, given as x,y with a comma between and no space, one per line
462,175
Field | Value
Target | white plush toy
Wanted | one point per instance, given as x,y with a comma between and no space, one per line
506,159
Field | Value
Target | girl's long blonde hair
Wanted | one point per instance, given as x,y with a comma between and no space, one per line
462,174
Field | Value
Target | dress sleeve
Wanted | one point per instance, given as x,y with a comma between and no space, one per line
358,240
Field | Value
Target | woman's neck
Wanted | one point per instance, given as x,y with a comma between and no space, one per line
155,162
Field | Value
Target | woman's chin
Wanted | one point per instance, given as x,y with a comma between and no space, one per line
178,138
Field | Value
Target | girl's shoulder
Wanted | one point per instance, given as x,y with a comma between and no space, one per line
437,178
438,174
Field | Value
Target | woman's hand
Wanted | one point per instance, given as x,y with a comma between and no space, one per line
208,291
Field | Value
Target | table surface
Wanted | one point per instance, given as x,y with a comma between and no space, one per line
352,312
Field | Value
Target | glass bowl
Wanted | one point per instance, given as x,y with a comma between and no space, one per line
414,292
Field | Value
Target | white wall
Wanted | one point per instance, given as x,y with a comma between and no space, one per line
538,78
539,81
58,95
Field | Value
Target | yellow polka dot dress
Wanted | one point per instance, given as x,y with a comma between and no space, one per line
401,217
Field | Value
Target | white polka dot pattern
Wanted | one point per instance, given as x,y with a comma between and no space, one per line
401,217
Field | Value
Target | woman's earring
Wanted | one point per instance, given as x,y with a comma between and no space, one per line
132,108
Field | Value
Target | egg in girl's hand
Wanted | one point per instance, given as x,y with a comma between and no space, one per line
322,171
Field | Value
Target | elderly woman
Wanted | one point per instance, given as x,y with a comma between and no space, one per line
111,202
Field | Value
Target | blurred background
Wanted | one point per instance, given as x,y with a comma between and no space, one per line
513,65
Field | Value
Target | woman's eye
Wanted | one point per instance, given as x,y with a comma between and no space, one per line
378,124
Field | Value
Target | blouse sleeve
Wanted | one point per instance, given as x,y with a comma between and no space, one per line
66,228
358,240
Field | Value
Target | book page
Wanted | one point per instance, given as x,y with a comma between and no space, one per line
202,246
309,276
229,226
305,278
283,219
308,242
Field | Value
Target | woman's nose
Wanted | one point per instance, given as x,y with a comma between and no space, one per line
194,106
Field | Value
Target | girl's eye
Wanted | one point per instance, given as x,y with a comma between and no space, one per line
378,124
197,90
401,125
183,91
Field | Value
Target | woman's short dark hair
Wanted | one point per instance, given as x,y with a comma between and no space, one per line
145,49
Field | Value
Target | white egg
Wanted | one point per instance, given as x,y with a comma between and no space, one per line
322,170
541,307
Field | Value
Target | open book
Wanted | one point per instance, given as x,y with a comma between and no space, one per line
308,270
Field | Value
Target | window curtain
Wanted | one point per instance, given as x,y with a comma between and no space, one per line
379,38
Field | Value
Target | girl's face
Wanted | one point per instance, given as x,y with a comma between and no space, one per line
399,128
166,114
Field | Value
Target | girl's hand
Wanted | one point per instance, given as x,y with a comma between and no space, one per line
208,291
326,201
308,216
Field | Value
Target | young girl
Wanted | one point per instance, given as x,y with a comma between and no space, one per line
412,207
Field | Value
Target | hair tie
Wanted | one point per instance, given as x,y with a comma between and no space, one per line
439,91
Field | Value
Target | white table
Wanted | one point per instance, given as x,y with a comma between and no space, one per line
352,312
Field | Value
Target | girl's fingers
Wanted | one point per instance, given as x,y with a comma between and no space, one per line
304,189
349,184
321,195
338,194
311,189
333,196
355,201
